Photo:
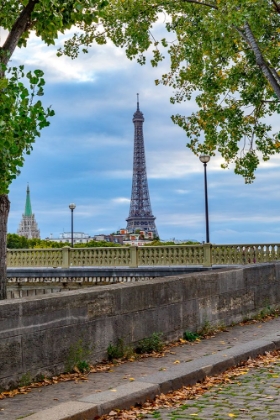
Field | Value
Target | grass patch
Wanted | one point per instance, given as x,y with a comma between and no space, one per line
25,380
150,344
191,336
119,351
78,357
209,329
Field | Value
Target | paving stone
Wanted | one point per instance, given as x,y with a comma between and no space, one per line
236,405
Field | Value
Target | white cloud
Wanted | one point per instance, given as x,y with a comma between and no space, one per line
183,191
121,200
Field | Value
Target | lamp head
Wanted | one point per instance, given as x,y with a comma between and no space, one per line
204,158
72,206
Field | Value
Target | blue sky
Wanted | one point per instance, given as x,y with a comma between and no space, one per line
86,157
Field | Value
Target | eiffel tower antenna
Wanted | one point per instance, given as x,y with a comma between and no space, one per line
140,214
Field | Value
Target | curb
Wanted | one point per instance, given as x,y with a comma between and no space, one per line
137,392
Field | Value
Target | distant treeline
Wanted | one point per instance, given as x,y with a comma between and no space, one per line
15,241
159,243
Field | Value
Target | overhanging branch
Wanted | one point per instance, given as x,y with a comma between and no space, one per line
201,3
19,27
276,5
260,61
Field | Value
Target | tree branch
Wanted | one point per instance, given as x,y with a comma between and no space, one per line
260,61
200,3
277,6
241,34
276,75
19,27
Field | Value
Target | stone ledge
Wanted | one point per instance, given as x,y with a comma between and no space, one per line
72,410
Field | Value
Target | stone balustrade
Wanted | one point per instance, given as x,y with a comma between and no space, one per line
204,255
244,254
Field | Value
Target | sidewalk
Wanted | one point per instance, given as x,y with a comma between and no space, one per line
134,382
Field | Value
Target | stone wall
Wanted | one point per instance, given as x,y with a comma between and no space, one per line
36,333
30,282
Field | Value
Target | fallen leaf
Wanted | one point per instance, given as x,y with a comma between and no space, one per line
176,362
131,379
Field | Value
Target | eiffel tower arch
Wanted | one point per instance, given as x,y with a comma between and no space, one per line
140,214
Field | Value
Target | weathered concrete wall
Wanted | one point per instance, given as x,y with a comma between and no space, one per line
35,334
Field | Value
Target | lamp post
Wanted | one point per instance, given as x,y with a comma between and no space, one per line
205,159
72,206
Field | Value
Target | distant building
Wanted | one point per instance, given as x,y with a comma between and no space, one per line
28,226
78,238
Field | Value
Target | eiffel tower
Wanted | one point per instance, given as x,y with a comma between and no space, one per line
140,213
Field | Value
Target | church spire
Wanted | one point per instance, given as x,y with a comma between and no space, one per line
28,226
28,209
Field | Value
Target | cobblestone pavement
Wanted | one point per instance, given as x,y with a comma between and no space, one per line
50,396
256,395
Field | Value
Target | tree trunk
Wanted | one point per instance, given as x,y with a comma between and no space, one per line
4,212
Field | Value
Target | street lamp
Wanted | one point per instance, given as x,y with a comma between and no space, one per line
72,206
205,159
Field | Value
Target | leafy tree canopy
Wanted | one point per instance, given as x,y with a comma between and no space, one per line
94,244
168,243
22,115
15,241
225,53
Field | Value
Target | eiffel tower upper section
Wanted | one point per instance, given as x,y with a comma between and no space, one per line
140,213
